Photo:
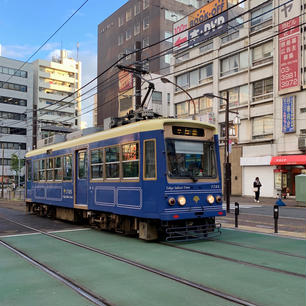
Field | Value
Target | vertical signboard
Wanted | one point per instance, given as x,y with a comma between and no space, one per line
289,74
203,24
288,118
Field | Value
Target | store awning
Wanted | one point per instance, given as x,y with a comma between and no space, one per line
288,160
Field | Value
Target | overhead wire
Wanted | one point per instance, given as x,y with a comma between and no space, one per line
245,12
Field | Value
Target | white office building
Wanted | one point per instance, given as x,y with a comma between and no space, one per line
56,96
16,113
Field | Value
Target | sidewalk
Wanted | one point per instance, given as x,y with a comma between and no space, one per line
249,200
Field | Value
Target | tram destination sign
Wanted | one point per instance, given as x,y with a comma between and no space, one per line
186,131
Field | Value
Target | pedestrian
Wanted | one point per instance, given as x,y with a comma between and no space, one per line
256,189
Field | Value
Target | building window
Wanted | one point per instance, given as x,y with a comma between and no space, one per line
13,71
120,39
262,54
173,16
120,21
206,72
237,96
262,17
263,89
229,37
182,58
262,127
157,96
13,86
13,101
145,23
205,104
145,4
136,28
128,34
145,42
232,130
137,8
128,15
181,109
194,77
234,63
168,59
206,47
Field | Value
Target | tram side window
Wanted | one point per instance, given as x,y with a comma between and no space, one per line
150,159
42,169
58,170
96,164
67,168
82,165
112,162
50,169
36,170
29,170
130,160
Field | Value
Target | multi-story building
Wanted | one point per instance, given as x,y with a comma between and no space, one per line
260,61
146,21
57,100
16,113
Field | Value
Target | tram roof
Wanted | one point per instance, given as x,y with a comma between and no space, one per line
136,127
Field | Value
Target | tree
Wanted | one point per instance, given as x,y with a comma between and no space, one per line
16,165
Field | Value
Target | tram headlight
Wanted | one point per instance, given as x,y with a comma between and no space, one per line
171,201
181,200
210,199
218,199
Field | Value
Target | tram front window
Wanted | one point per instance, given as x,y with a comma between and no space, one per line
191,159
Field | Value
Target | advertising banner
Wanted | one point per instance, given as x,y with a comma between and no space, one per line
208,21
180,28
289,118
289,74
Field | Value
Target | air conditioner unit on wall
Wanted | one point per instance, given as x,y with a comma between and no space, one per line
302,143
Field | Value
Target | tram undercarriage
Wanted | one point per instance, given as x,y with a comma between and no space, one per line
182,230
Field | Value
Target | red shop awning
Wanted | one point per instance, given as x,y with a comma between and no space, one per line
288,160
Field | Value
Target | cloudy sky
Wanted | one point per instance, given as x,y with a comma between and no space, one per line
26,25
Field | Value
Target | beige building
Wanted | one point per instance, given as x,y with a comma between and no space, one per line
258,60
56,99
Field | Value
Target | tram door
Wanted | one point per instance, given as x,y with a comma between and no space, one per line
81,180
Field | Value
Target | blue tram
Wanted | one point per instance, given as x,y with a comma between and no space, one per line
157,178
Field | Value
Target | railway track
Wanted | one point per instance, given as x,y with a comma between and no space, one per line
95,298
81,290
236,260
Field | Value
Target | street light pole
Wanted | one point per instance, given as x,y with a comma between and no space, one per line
165,80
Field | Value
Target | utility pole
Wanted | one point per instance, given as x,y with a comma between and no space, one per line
18,166
2,187
137,78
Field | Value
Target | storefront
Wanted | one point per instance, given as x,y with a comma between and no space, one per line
287,167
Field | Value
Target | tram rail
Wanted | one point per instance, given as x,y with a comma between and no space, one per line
161,273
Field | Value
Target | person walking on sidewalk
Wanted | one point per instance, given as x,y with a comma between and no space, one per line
256,188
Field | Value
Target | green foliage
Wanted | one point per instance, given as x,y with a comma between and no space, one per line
15,163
